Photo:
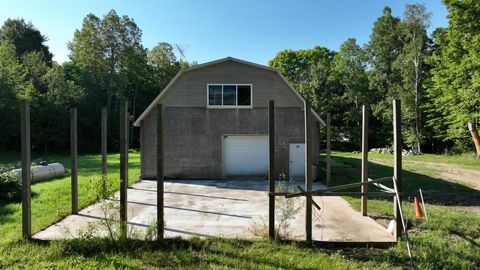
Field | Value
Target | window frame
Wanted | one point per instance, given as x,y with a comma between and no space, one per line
236,96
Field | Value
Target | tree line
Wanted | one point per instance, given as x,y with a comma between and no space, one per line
107,63
436,77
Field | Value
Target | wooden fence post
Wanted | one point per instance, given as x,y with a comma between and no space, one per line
271,170
308,173
397,169
160,183
123,165
104,149
364,189
26,174
73,159
329,151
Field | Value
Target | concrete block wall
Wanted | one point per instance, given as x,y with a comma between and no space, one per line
194,138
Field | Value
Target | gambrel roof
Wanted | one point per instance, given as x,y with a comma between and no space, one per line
219,61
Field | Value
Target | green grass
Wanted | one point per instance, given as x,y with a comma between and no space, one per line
417,172
52,199
449,240
466,160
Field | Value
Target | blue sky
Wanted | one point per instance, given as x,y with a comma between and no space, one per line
252,30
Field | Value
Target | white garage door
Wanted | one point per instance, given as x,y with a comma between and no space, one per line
245,157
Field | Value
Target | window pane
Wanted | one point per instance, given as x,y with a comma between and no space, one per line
214,95
244,95
229,95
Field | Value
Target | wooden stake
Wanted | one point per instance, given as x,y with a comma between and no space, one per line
308,173
104,150
271,176
123,165
26,174
160,179
73,159
397,169
400,212
423,204
329,150
364,188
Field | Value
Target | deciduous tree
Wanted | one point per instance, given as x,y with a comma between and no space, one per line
25,37
412,68
456,73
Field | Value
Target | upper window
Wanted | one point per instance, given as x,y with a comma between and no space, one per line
230,95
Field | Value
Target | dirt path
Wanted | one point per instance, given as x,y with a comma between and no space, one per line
450,172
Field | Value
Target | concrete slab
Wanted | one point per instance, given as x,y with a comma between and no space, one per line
208,208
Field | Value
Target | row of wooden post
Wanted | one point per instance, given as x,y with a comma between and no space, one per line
26,163
271,176
308,164
397,165
308,170
124,124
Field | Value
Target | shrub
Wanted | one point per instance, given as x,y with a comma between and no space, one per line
286,209
10,187
285,212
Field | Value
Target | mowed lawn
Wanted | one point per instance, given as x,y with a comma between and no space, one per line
449,240
51,200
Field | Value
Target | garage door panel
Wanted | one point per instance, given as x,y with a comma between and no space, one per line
245,157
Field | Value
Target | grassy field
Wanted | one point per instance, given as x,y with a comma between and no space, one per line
52,199
449,240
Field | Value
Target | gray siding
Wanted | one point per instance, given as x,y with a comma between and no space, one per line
190,90
193,138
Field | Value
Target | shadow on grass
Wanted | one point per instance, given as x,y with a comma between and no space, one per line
435,190
193,252
229,253
6,212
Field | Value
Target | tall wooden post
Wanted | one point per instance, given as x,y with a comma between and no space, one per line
73,159
160,183
271,176
26,174
123,165
364,199
104,149
397,169
308,172
329,151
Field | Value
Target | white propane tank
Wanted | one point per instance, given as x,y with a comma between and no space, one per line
40,173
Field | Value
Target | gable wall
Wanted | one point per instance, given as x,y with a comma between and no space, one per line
190,90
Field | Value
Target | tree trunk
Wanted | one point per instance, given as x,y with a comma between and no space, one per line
110,81
476,139
417,112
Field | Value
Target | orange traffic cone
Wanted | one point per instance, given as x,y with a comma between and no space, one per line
418,210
